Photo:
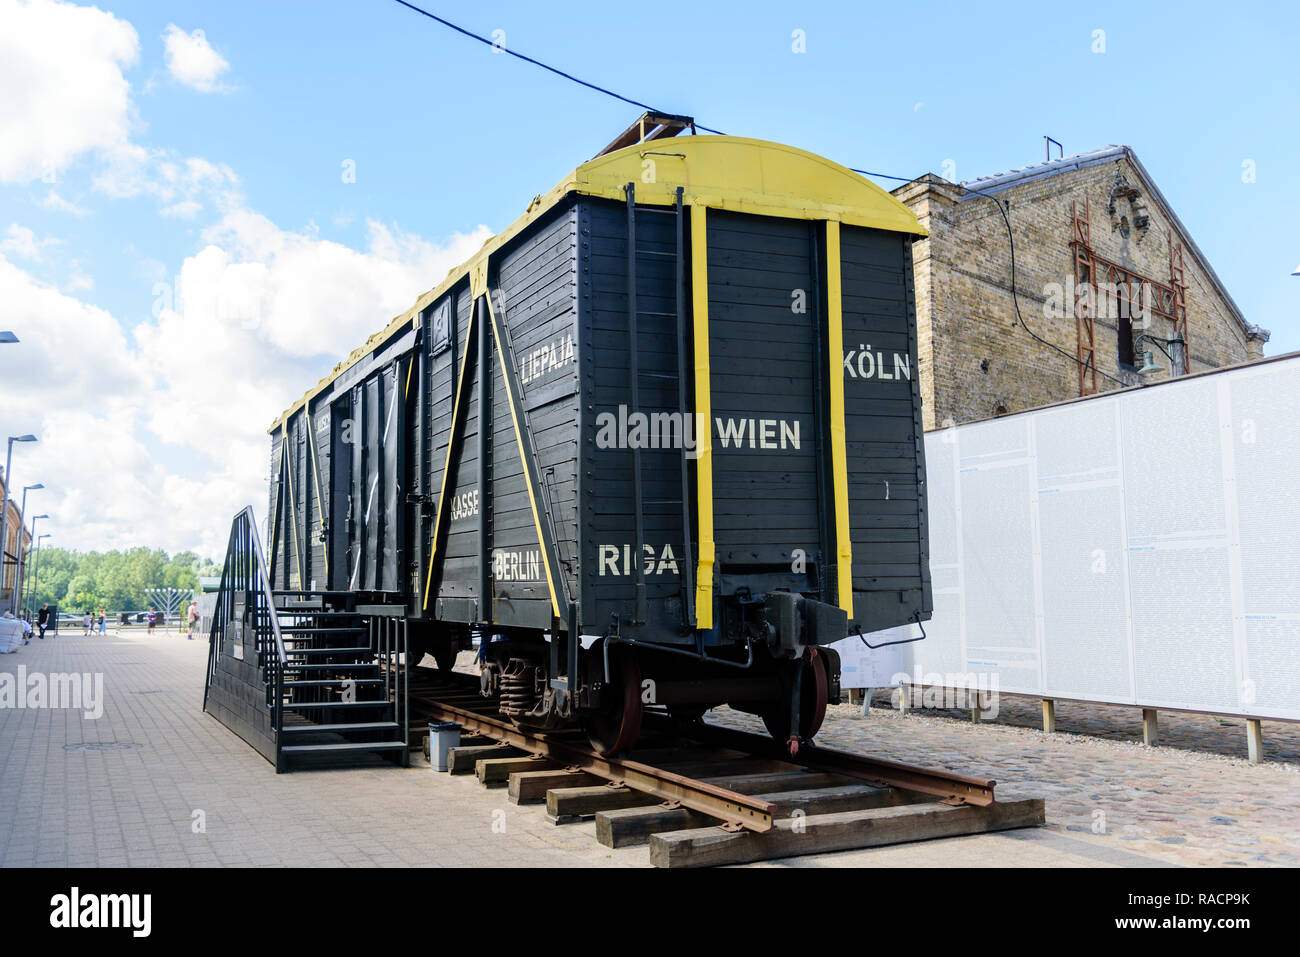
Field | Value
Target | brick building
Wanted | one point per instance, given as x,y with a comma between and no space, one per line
18,539
1101,260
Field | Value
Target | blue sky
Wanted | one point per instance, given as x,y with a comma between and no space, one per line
450,141
446,134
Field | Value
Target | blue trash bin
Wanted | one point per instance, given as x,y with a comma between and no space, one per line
443,736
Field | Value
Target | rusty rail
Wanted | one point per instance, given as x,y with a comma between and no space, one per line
948,786
728,806
732,808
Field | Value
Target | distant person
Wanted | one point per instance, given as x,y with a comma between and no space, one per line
484,640
43,619
151,618
85,625
103,627
194,618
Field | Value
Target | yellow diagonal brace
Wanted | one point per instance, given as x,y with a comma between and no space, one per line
523,461
315,472
275,509
293,514
451,444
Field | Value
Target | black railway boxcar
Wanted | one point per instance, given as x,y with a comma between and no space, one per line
660,439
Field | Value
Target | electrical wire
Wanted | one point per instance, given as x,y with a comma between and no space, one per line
544,66
1015,298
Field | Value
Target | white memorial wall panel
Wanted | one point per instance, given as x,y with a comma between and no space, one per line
1139,548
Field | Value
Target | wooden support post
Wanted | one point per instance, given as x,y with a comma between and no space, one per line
904,693
495,772
531,787
1255,739
819,833
1049,715
573,804
1150,735
463,760
976,712
855,696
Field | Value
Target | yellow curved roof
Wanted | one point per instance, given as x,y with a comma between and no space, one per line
721,172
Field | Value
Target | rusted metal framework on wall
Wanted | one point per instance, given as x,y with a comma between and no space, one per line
1178,299
1081,245
1095,276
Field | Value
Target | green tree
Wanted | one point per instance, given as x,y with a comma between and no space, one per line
81,595
51,572
115,580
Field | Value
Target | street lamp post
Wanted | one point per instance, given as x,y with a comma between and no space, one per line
36,572
32,539
16,595
4,519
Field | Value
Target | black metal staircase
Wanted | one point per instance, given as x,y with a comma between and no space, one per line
308,678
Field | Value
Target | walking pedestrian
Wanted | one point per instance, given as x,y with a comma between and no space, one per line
152,619
43,619
103,630
85,625
194,618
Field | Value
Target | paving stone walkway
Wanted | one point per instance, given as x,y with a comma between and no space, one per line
1195,800
156,782
156,764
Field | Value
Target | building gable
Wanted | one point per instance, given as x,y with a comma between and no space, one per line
1094,242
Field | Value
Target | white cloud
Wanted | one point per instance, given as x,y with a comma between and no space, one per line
312,297
62,91
153,422
63,95
259,314
191,59
56,202
21,242
75,354
180,182
185,209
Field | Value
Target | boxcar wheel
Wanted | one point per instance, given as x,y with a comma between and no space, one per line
686,716
416,648
617,725
444,653
813,693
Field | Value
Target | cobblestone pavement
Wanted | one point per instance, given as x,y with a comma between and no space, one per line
128,787
1193,732
1168,804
